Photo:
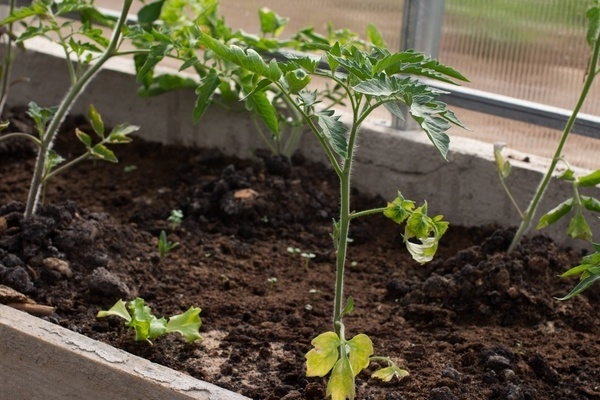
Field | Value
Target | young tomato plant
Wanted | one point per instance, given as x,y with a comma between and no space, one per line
589,269
86,50
371,79
147,326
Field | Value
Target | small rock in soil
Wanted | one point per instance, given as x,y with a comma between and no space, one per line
58,265
509,392
396,290
18,279
36,229
451,373
11,261
107,284
543,370
497,363
442,393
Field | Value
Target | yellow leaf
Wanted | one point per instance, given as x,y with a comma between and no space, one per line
341,383
323,357
361,348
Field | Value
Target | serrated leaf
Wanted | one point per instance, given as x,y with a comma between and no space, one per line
322,358
418,223
578,228
264,108
399,209
297,80
102,152
590,180
434,126
341,383
334,130
205,92
250,60
36,8
414,63
83,138
119,310
150,12
381,86
96,121
187,324
388,373
394,109
555,214
33,31
361,349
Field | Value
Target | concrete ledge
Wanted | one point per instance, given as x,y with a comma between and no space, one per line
44,361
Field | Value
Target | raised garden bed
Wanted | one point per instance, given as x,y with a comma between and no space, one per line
473,324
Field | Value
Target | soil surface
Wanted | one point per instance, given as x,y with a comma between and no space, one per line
473,324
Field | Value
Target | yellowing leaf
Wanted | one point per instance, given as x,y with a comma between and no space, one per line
361,348
323,357
341,383
119,310
187,324
424,251
388,373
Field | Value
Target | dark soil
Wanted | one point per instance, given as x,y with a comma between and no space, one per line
473,324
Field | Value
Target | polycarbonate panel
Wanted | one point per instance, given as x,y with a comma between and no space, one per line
351,14
529,49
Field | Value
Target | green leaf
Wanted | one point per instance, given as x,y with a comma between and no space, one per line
205,92
568,175
187,324
4,125
593,32
590,203
578,228
361,349
590,180
96,121
418,223
349,307
395,110
119,310
555,214
270,22
141,319
381,86
102,152
36,8
374,36
157,327
33,31
322,358
165,83
83,138
297,80
334,130
583,285
264,108
399,209
119,133
388,373
341,384
150,12
435,127
250,60
414,63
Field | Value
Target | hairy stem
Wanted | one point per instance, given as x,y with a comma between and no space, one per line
531,210
74,91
